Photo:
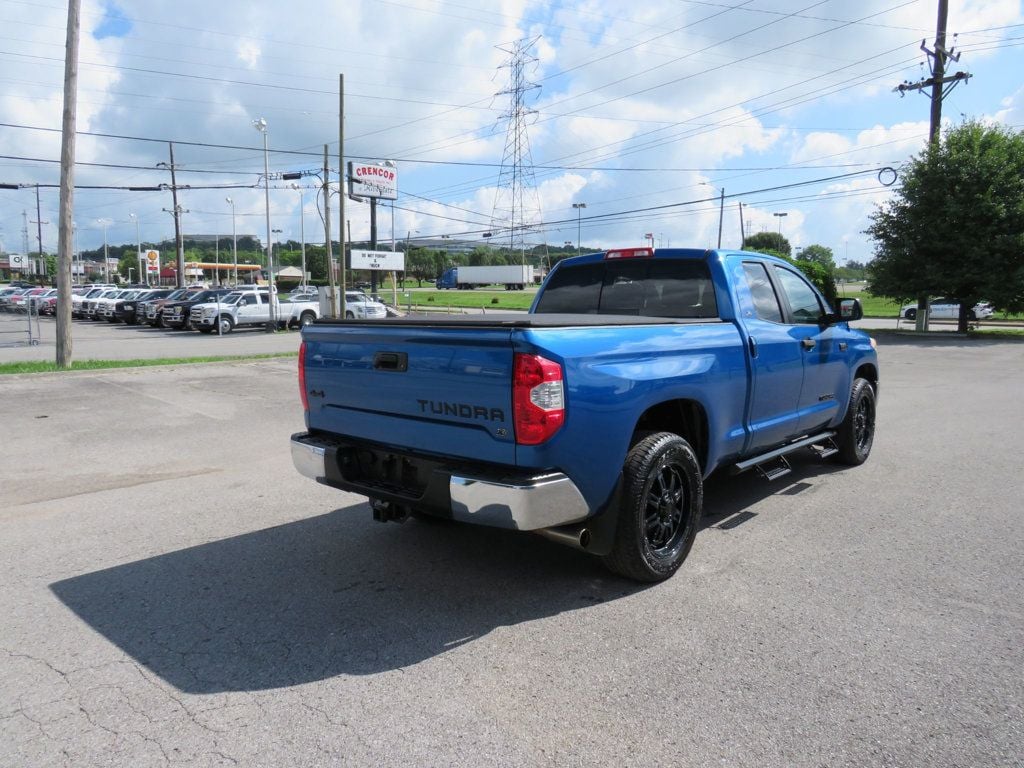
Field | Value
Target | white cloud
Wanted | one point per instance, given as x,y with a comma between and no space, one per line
249,53
675,93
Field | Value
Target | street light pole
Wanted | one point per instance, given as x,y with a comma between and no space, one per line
261,126
138,241
780,216
579,211
234,238
302,230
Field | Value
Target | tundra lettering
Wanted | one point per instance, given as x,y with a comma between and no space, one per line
463,410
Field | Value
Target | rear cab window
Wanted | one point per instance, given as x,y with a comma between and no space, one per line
677,288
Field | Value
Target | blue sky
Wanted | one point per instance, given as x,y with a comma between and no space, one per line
643,112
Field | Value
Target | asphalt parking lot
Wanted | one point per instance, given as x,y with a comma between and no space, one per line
173,592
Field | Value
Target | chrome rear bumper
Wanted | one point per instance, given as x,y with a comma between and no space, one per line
525,503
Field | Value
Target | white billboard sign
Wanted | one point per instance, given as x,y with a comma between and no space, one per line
388,261
372,180
152,261
18,261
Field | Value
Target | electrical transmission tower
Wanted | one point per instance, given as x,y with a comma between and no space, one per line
517,210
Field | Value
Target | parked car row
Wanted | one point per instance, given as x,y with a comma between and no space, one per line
24,299
209,310
194,308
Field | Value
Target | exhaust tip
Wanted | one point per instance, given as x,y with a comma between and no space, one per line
577,537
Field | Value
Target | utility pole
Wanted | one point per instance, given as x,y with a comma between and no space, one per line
373,244
106,261
179,244
743,236
721,215
180,261
341,186
327,236
941,84
39,233
39,223
65,254
24,232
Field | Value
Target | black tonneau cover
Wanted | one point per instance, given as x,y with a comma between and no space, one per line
522,320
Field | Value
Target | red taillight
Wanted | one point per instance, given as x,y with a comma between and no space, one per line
538,398
302,376
630,253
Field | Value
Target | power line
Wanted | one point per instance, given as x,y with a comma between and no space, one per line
420,161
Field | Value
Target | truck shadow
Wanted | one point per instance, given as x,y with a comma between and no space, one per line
340,594
329,595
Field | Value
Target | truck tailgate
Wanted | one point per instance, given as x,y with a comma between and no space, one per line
424,388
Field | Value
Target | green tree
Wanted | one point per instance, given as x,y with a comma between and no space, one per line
767,242
420,264
316,262
956,225
818,253
128,262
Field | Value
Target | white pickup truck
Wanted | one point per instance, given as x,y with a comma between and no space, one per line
251,307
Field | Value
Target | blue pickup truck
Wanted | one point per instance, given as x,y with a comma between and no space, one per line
594,418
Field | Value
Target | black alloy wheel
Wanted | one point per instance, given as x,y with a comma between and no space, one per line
857,432
662,499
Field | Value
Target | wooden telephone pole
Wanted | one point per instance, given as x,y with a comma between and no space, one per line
941,84
65,234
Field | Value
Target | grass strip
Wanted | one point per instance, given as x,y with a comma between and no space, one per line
46,366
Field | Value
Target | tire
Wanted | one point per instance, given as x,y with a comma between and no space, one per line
226,325
911,314
660,510
350,315
306,318
857,432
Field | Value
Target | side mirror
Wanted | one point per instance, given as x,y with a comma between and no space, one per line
847,311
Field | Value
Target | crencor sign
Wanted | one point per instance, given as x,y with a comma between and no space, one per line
372,180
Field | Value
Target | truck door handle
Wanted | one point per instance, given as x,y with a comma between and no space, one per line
808,344
752,343
391,361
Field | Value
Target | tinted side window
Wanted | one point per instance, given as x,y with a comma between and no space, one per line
766,303
803,301
650,287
